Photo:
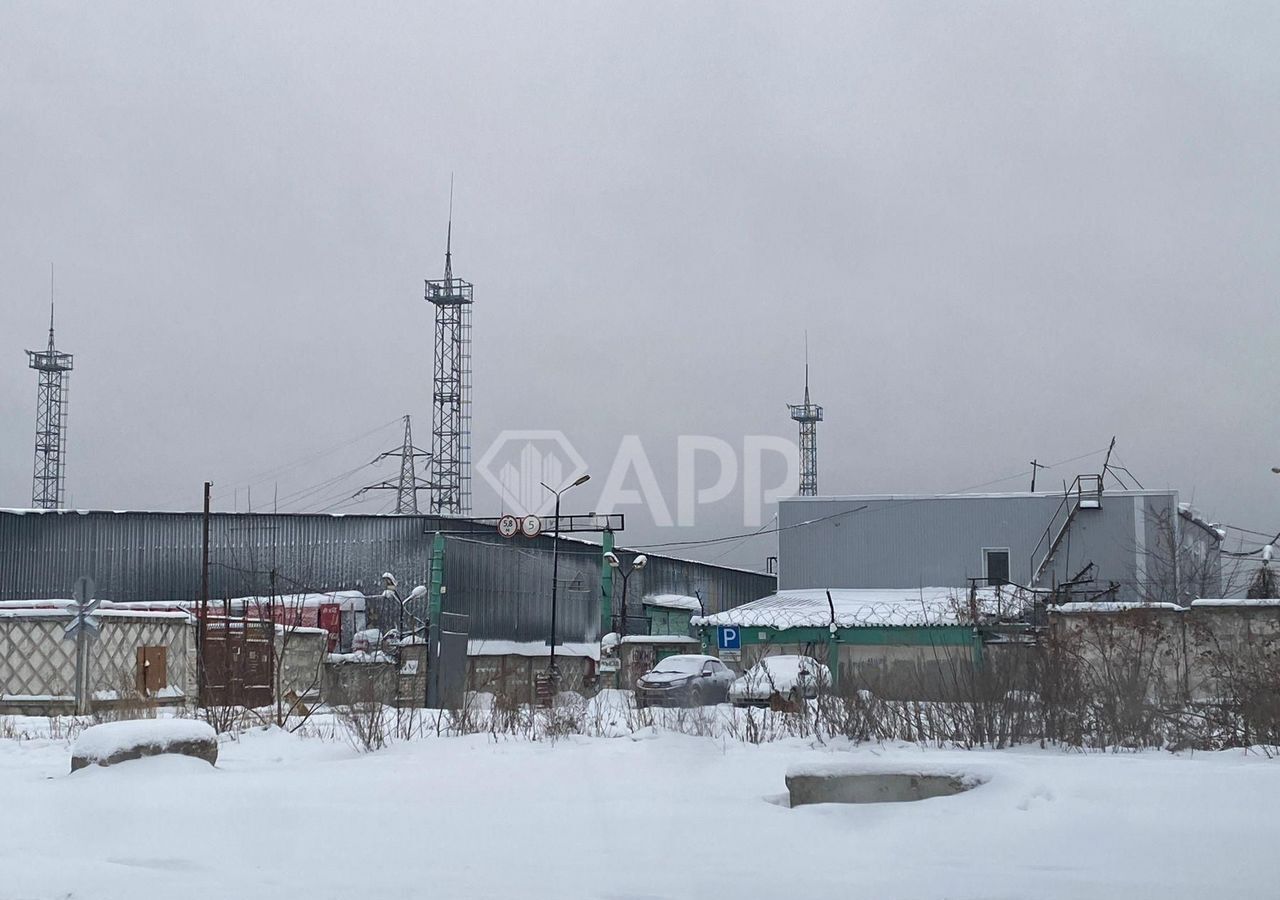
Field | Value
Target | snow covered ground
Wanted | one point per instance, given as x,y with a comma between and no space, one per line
655,815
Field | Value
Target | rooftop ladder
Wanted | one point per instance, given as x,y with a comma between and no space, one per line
1084,493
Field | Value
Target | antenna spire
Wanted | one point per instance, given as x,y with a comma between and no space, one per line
806,368
50,307
448,241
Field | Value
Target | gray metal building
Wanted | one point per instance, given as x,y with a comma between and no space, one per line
1144,543
503,584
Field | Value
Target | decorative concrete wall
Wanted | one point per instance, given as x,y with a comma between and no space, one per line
1178,651
38,664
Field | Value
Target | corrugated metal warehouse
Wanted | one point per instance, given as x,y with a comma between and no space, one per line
503,584
1143,541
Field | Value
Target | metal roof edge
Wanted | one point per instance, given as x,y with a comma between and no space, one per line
964,496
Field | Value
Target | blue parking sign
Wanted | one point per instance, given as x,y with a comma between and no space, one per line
728,638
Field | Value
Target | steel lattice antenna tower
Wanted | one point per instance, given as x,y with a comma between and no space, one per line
808,415
408,484
49,481
451,388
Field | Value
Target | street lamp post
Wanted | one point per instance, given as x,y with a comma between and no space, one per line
637,562
555,566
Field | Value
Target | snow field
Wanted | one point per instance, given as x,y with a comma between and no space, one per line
654,815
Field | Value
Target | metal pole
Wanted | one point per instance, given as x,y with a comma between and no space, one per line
80,664
277,664
622,627
202,623
555,576
622,609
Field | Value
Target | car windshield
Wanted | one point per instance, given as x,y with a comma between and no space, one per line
680,665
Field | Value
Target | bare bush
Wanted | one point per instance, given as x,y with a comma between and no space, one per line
365,710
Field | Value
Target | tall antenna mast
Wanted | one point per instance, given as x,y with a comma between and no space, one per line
808,414
451,387
48,481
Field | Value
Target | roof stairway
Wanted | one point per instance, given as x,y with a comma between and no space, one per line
1084,493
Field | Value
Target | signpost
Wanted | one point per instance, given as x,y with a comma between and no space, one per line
83,629
729,642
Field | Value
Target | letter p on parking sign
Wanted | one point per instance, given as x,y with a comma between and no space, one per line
728,638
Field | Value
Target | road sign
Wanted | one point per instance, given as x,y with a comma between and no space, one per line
728,637
88,624
83,611
508,526
83,629
531,526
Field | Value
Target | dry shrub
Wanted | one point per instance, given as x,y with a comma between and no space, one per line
365,710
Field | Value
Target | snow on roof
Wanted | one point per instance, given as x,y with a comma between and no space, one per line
1111,606
61,608
530,648
1192,514
870,607
673,601
348,600
968,495
1234,601
360,657
1115,606
659,639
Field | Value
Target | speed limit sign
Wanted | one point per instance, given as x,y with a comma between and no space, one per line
531,526
508,526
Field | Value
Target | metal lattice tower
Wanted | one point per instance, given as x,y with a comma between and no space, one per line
808,415
408,484
48,484
451,389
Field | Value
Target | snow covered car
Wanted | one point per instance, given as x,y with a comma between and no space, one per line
684,680
788,678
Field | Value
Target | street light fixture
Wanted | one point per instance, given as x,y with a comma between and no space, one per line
555,565
637,562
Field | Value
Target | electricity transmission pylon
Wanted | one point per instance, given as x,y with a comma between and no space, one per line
408,484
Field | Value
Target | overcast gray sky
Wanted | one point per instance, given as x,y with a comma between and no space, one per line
1011,231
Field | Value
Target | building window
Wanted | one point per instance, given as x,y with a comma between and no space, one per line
995,566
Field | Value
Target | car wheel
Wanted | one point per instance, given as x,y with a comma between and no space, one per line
696,697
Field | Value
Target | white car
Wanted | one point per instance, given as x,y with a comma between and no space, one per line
788,678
